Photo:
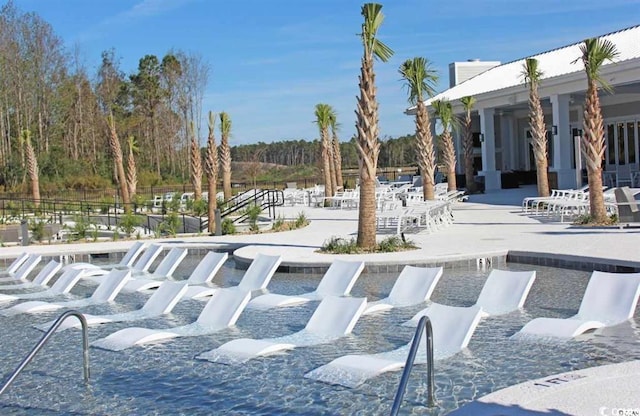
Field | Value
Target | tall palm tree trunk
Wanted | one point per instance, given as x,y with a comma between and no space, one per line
132,175
539,141
337,161
196,166
449,159
326,163
332,166
32,168
593,146
425,152
116,151
211,170
368,149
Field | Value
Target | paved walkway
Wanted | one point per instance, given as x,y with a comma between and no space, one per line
485,226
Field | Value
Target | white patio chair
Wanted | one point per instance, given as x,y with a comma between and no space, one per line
610,299
452,331
337,281
332,319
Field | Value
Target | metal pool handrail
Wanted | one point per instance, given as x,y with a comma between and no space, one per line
43,341
423,324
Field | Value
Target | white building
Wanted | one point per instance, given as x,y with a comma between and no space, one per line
500,115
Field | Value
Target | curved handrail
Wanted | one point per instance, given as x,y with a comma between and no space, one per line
423,324
45,338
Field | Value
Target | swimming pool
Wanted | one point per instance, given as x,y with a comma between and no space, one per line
166,379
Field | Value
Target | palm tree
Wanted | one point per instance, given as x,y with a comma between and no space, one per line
211,169
337,157
532,74
132,174
367,141
467,143
594,53
420,80
116,152
195,159
32,167
225,154
444,111
323,114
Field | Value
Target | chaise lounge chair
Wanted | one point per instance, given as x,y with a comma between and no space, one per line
106,291
332,319
15,264
414,285
452,330
337,281
40,281
165,270
221,311
161,302
141,265
21,273
62,286
201,275
628,207
256,277
610,299
503,292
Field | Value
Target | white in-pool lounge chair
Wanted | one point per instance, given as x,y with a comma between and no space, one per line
221,311
256,277
452,329
63,285
332,319
23,270
141,265
106,291
161,302
414,285
503,292
201,275
40,281
337,281
610,299
165,270
17,262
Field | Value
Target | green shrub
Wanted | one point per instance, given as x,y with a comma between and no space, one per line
36,226
301,220
228,226
199,207
279,224
129,222
395,243
253,212
170,224
337,245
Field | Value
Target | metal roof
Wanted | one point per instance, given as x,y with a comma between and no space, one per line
553,63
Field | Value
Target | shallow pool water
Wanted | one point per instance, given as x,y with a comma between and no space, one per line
166,379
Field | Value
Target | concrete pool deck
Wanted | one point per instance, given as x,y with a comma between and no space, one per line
487,226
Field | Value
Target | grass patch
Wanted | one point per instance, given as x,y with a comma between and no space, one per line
337,245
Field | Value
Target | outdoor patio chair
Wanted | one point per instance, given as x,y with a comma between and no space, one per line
201,275
140,265
160,303
221,311
63,285
503,292
15,264
105,292
165,270
337,281
40,280
413,286
628,207
332,319
256,277
23,270
610,299
452,330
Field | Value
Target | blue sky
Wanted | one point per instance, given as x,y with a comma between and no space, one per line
272,61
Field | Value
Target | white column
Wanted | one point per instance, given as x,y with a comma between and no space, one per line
562,154
487,128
